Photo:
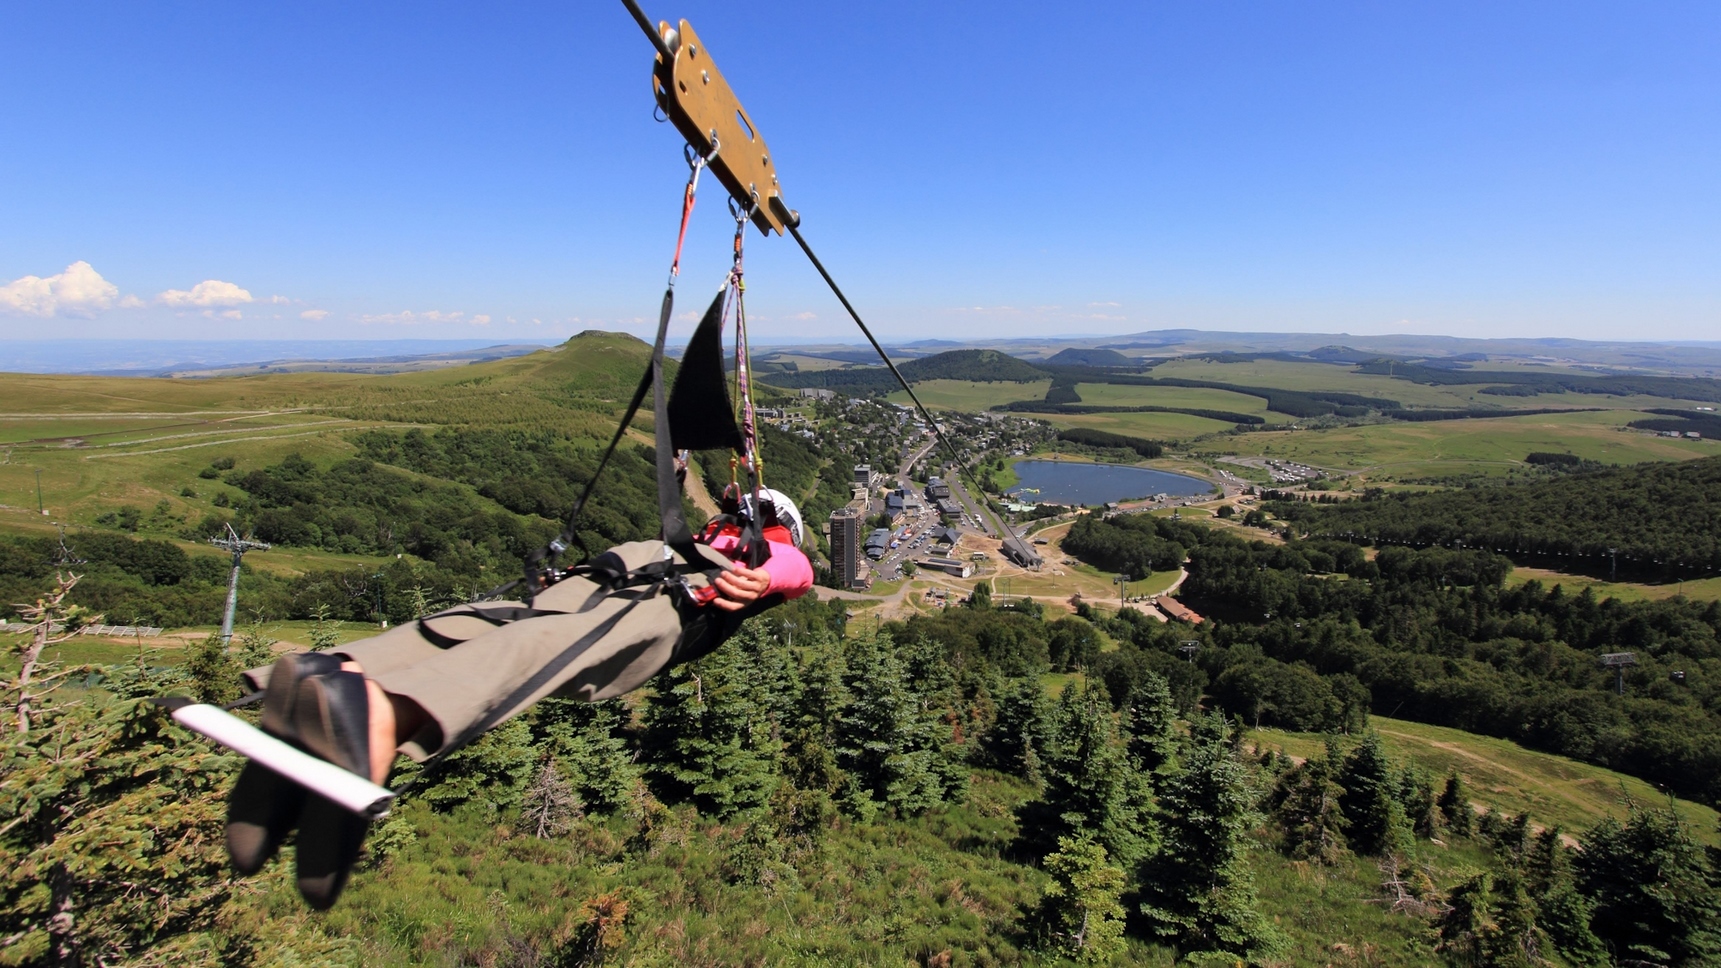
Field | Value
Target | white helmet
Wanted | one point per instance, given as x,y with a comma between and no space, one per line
788,515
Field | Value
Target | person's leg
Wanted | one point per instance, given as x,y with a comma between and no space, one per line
442,681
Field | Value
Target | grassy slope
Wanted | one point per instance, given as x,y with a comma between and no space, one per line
141,460
1707,589
1503,775
1395,449
966,395
1450,446
1119,395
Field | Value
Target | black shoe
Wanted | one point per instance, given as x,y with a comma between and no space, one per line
332,720
264,806
262,810
330,837
331,717
282,698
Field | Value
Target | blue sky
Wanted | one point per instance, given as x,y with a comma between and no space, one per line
1005,169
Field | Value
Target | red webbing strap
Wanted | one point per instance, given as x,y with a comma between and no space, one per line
698,165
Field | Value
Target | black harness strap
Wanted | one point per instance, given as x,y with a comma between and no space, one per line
675,531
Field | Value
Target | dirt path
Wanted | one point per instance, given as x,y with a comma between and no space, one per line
222,441
701,498
1458,750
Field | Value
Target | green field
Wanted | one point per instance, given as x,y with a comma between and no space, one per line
1153,426
1707,589
1447,446
1505,776
1322,376
965,395
1195,398
142,441
803,364
961,395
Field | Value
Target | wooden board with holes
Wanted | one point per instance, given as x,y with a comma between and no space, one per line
692,92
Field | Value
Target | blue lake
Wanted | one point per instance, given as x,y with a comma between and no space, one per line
1071,482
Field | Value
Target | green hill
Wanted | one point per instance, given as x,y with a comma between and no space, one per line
1651,520
980,366
1082,357
976,366
1503,775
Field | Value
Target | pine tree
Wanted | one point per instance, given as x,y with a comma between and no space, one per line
1150,722
1655,895
889,749
1020,734
1196,889
256,648
589,754
325,632
214,671
1080,913
549,804
113,838
710,736
37,677
1491,923
1455,806
1374,817
491,772
1308,808
981,597
1092,789
1564,913
1510,836
1416,795
1467,928
939,701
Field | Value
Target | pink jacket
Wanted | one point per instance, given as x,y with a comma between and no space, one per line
791,573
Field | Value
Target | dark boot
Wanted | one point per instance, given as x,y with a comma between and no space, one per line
261,811
332,720
330,837
282,700
264,806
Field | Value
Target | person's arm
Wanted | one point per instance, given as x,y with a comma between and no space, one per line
787,572
791,573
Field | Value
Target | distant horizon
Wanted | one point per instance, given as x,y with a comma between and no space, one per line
151,356
768,339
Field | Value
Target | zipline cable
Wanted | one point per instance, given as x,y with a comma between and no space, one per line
666,51
795,230
645,25
794,225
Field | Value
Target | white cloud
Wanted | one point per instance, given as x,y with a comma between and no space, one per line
130,302
481,320
1103,305
805,316
78,291
232,314
314,314
279,300
209,292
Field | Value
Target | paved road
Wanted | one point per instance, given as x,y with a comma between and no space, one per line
888,566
